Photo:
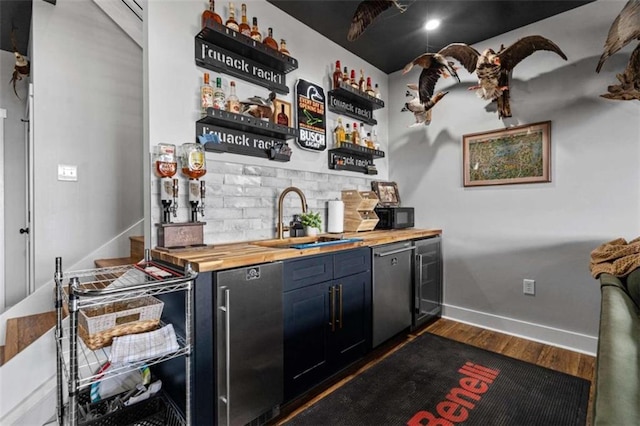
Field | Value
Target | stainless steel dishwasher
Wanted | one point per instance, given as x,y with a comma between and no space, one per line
249,344
392,290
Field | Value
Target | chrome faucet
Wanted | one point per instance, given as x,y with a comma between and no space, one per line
281,227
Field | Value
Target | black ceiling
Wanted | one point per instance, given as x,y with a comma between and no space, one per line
395,38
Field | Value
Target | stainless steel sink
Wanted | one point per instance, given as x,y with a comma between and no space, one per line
306,242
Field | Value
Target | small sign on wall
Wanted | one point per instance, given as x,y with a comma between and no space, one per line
310,102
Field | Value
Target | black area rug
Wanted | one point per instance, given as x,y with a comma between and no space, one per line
437,381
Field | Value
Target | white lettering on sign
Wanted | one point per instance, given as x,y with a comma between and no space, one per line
312,139
262,144
341,104
267,75
237,63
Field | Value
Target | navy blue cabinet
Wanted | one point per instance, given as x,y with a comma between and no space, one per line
327,316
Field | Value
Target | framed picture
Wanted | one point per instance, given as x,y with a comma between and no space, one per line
281,113
387,192
506,156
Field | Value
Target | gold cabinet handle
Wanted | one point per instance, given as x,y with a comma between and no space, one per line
340,318
332,301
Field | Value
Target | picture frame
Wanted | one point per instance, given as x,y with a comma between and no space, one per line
514,155
387,193
279,107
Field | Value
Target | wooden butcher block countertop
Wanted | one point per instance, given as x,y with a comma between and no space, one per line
233,255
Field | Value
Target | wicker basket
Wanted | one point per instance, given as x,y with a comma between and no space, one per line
98,326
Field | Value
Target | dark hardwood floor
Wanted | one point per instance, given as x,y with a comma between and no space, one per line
552,357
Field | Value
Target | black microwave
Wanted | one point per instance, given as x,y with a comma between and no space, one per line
394,217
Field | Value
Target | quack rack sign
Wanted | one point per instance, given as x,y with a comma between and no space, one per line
310,114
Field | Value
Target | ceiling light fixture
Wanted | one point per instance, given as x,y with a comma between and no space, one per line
432,24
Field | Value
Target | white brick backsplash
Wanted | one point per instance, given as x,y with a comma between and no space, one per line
241,200
259,171
241,180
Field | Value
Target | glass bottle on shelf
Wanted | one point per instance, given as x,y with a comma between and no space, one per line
282,117
352,80
339,133
355,135
348,136
269,41
255,31
337,75
369,90
283,47
231,22
363,134
345,76
369,141
244,27
206,95
377,92
210,15
362,85
218,95
233,103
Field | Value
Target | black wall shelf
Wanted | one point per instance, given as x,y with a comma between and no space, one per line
222,49
247,123
353,103
354,158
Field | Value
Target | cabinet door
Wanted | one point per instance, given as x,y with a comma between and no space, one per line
428,297
352,336
307,316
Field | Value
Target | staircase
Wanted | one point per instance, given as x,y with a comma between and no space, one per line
23,331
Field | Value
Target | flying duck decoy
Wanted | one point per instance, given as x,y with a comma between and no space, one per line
492,69
366,13
421,112
434,65
625,28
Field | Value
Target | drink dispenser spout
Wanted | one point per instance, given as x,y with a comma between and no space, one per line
174,207
197,190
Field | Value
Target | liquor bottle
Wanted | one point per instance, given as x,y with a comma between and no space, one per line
206,95
210,15
352,80
231,22
348,136
339,133
218,95
282,117
362,85
245,29
345,76
255,32
369,141
377,92
269,41
369,90
233,103
283,47
337,76
355,135
363,134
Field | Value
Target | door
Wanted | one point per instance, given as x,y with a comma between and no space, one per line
428,289
351,339
307,324
248,342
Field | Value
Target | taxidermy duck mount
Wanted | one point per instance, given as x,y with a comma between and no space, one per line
366,13
421,112
492,69
625,28
22,67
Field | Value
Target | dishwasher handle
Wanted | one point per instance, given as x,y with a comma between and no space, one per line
389,253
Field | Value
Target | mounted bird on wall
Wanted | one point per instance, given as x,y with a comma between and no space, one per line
22,67
421,112
366,13
492,69
625,28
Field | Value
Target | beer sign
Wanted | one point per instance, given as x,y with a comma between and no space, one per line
310,102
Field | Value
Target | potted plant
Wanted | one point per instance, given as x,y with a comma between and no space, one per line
311,222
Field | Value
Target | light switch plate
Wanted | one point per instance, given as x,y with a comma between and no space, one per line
67,172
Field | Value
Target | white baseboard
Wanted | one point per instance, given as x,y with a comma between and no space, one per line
540,333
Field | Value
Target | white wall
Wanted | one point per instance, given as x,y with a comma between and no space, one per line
88,112
14,181
174,81
494,237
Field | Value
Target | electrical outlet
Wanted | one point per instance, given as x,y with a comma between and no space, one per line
67,172
529,286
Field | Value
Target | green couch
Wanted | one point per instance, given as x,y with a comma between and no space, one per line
617,392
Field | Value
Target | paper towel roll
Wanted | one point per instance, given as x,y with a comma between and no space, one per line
335,217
